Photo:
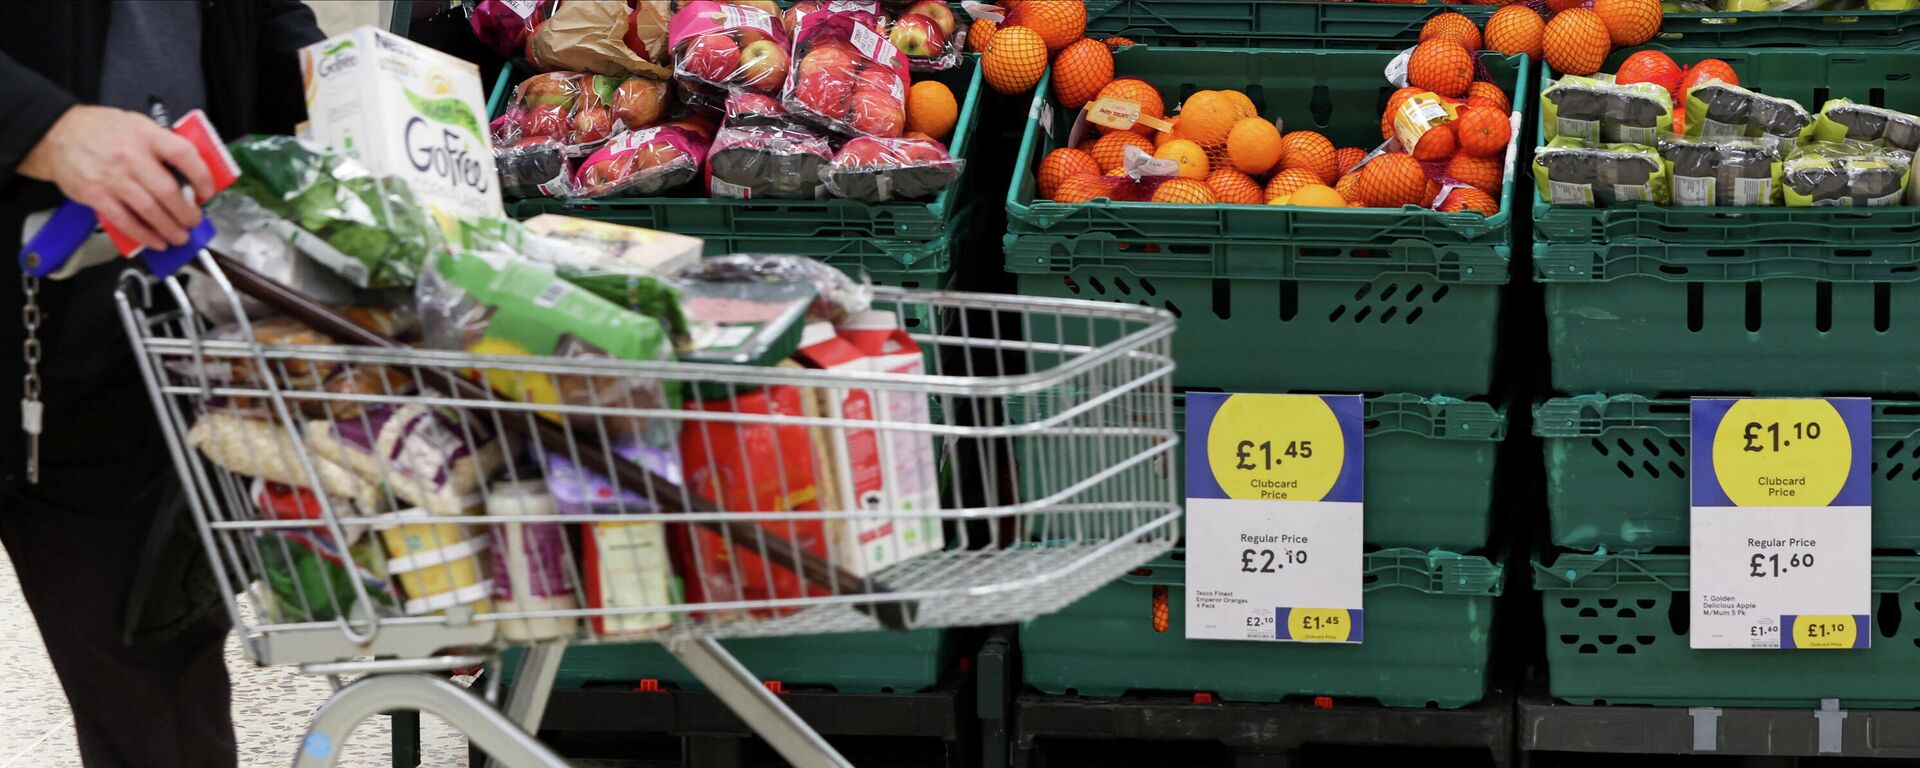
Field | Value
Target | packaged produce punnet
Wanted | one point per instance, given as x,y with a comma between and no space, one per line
723,48
848,77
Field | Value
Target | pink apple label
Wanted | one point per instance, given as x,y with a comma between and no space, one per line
705,17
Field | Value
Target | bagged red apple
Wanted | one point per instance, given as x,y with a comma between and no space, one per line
760,153
579,110
722,48
642,163
927,33
877,170
849,78
503,25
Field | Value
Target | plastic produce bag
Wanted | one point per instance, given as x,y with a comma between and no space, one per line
759,162
429,458
836,296
1717,110
245,232
307,579
504,25
721,48
579,110
263,449
1848,174
1571,172
929,35
1599,110
367,229
877,170
1726,172
849,78
625,265
641,163
1843,120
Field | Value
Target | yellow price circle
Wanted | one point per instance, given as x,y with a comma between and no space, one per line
1782,453
1824,632
1276,447
1320,625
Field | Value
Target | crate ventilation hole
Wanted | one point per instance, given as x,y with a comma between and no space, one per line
1646,457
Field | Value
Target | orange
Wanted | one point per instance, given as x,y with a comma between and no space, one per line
1312,196
1516,29
1393,180
1437,145
1059,22
1310,152
1183,191
1345,158
1442,66
1207,117
1015,60
1393,105
1470,199
980,34
1079,189
1241,103
1080,71
1652,67
1491,93
1629,22
1452,26
931,109
1253,146
1285,182
1349,188
1110,151
1707,69
1576,42
1138,91
1061,164
1191,157
1484,173
1117,42
1235,188
1483,132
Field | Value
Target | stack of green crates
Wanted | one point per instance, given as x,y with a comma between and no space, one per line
1651,305
1280,299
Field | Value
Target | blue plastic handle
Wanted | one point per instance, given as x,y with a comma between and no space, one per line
72,223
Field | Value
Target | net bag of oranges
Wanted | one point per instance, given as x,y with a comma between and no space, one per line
719,48
850,79
761,153
876,170
645,162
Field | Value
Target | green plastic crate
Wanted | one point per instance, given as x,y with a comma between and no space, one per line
1617,469
1856,29
1883,78
858,662
1642,317
1400,316
692,213
1428,632
1337,93
1617,634
1429,466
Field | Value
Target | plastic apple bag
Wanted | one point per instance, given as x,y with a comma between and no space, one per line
504,25
1570,172
836,296
849,78
929,35
579,110
1724,172
1844,120
762,154
641,163
1721,110
720,48
1850,174
876,170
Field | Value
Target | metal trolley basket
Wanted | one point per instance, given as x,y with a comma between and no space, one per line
1008,548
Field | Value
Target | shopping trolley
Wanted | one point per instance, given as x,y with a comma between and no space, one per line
713,489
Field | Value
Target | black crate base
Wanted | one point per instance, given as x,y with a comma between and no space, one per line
1251,735
1549,726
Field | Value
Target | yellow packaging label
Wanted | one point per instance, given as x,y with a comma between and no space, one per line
1418,114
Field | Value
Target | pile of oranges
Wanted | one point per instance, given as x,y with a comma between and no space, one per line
1575,37
1014,53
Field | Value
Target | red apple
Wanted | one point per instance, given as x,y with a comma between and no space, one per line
713,58
839,62
824,91
880,79
877,113
792,17
763,66
753,104
551,88
592,124
922,152
546,120
919,37
638,102
864,152
938,11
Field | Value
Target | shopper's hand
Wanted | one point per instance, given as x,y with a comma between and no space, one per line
121,165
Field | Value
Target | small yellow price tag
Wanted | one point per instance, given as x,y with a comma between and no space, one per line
1121,114
1824,632
1319,625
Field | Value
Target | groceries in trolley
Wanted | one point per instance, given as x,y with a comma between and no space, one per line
394,500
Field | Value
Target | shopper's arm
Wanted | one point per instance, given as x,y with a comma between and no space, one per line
286,26
33,104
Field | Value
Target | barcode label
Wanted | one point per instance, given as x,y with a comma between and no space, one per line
1714,129
1628,193
1579,129
1753,191
1568,193
723,188
1633,134
1693,190
550,296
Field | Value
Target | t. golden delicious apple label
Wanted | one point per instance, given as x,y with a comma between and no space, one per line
1782,523
1274,492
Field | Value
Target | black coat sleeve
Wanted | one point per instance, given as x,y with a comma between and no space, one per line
286,26
33,104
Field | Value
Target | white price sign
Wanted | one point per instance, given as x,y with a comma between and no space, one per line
1274,489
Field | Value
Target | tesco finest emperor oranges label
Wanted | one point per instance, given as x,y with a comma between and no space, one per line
1274,517
1782,521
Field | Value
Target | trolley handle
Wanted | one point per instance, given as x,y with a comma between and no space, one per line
813,568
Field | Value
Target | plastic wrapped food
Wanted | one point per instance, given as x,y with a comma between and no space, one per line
1846,174
877,170
533,167
721,48
370,230
624,265
1571,172
849,78
1726,172
1718,110
1843,120
246,232
836,296
263,449
1599,110
579,110
503,25
763,162
927,32
306,578
745,323
606,38
641,163
429,458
